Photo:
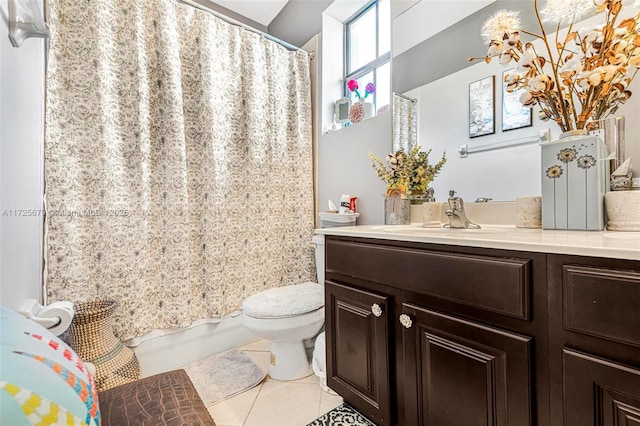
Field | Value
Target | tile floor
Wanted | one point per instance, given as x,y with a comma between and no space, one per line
272,402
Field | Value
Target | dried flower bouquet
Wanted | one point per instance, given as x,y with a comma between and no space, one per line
585,74
407,173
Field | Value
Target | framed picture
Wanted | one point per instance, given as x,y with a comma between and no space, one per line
514,115
341,110
482,107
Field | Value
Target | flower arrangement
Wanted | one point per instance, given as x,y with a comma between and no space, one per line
586,73
407,173
353,87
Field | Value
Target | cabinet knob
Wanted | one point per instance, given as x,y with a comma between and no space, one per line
405,320
376,310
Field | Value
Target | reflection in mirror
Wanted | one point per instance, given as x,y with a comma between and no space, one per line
432,68
405,122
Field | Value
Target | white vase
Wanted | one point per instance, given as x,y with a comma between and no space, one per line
575,177
367,108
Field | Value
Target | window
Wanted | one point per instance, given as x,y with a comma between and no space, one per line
367,52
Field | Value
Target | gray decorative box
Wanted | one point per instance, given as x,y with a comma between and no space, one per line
575,174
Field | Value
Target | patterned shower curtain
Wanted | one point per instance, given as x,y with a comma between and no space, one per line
405,123
178,162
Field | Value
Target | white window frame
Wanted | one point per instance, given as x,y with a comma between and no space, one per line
372,66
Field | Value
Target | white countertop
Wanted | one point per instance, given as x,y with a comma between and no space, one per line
611,244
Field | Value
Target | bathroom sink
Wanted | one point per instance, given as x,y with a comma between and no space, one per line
452,232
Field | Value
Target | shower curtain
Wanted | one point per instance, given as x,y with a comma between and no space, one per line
405,123
178,162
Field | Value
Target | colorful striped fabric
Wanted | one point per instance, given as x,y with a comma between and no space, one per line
42,380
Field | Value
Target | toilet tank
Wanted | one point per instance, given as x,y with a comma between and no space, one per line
318,241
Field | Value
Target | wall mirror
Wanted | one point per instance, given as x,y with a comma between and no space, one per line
432,68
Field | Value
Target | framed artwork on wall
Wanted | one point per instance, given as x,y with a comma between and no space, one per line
482,107
341,110
514,115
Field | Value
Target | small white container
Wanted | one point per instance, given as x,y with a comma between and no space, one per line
529,212
431,213
623,210
334,220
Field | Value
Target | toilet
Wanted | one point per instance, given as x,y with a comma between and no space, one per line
286,316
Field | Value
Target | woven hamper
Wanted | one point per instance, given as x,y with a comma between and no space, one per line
91,336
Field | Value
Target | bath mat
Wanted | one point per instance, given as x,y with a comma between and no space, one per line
224,375
342,415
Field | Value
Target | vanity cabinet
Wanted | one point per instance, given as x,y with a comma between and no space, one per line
461,336
424,334
459,372
357,324
594,311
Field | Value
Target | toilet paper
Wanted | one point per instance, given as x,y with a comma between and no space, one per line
56,317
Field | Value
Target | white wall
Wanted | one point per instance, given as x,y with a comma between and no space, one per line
332,68
501,174
427,18
345,167
21,166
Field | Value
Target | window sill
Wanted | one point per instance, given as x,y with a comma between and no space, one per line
338,127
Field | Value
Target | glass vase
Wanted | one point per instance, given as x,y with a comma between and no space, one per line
397,210
417,198
611,131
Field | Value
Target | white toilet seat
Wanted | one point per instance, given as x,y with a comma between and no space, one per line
284,302
286,317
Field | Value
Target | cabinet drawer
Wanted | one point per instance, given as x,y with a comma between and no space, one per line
602,302
492,283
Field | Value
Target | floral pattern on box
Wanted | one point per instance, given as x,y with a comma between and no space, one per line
574,181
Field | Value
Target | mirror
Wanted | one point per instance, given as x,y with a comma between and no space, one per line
433,69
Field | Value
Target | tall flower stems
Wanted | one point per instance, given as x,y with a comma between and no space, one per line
563,125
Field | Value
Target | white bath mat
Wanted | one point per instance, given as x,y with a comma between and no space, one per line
224,375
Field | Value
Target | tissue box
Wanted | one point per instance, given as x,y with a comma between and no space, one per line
575,175
333,220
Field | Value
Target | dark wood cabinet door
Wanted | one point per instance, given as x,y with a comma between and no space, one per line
594,341
357,349
458,372
599,392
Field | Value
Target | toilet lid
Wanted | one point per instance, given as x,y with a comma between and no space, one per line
285,301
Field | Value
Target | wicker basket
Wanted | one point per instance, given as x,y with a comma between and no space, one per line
91,336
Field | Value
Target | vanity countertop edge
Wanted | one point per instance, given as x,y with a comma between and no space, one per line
607,244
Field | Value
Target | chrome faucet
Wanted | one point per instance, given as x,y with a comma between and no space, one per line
456,214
